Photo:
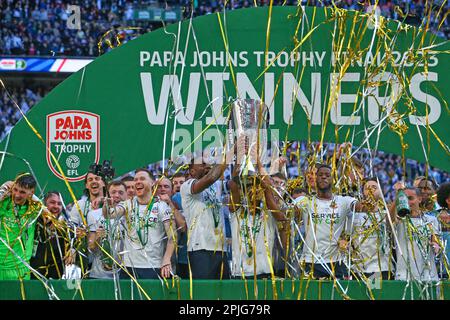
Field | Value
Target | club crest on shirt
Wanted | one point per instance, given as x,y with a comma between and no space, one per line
333,204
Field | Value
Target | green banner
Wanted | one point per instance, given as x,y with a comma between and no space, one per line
221,290
331,75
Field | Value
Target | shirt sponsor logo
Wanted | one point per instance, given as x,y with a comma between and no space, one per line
327,218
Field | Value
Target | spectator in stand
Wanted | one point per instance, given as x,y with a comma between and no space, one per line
25,24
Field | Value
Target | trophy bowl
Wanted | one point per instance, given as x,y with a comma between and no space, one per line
250,119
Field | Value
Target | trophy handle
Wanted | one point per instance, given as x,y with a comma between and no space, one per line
230,138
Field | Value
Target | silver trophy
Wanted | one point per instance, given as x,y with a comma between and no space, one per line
249,118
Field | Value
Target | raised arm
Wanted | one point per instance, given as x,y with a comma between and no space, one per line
274,207
179,218
207,180
235,197
272,204
113,211
5,189
392,207
392,210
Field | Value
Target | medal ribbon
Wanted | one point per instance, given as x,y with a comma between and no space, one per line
140,224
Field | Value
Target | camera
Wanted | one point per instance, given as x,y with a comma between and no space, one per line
104,170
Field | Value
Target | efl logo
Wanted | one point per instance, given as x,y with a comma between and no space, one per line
12,64
74,139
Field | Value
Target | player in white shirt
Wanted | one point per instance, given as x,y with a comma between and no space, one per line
324,217
105,233
201,208
370,238
95,189
149,231
418,241
253,222
164,190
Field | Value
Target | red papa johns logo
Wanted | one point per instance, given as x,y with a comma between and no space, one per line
73,137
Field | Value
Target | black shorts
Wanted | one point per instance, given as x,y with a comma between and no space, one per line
140,273
207,264
385,275
319,271
183,270
258,277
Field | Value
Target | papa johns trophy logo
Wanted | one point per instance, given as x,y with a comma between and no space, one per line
73,137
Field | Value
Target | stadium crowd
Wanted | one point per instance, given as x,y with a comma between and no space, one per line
25,98
37,27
